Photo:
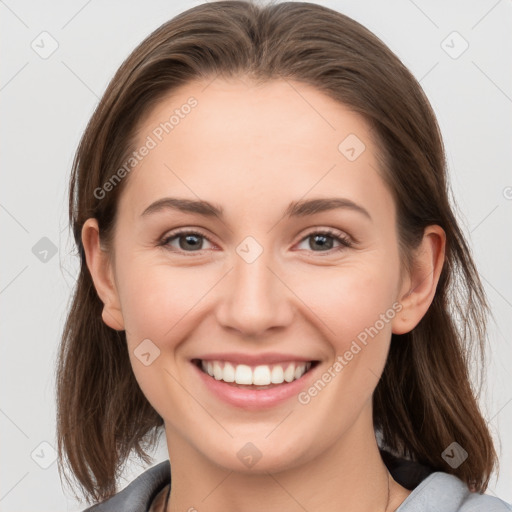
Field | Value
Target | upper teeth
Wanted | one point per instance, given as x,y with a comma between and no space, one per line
261,375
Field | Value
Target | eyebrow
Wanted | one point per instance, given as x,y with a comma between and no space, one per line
294,209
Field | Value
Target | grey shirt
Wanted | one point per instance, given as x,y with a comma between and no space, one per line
437,492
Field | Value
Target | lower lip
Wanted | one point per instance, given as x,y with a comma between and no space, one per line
252,398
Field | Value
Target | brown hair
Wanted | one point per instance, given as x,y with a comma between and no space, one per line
424,400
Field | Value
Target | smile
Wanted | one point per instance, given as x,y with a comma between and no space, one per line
254,381
258,377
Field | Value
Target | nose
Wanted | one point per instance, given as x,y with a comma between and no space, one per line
255,298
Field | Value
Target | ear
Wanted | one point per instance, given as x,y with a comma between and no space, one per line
419,287
100,267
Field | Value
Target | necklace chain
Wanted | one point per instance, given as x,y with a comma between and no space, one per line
387,502
169,493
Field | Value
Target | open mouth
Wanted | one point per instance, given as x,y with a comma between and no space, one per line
263,376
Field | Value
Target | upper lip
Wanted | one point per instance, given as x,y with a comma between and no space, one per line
254,359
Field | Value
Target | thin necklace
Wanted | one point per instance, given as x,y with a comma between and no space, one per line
169,494
387,502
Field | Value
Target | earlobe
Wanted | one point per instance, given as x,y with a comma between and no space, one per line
100,268
419,289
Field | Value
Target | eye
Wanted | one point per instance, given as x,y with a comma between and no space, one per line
188,241
192,241
324,240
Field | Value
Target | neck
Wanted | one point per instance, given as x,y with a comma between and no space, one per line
350,475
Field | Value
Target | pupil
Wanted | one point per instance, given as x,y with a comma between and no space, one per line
323,245
189,238
193,241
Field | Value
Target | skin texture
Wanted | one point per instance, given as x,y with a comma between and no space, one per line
253,149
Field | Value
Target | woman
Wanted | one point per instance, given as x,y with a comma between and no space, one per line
272,276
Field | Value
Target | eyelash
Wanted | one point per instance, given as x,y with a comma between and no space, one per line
345,242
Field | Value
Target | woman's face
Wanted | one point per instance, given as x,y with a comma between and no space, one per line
260,284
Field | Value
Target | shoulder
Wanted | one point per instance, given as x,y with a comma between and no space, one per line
442,492
140,493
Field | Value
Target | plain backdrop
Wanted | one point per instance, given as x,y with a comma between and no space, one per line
46,101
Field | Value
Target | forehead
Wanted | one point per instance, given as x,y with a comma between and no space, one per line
276,113
270,142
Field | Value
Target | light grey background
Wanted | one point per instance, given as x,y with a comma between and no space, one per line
46,103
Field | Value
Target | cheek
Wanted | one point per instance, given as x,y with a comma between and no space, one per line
349,299
357,307
155,297
157,302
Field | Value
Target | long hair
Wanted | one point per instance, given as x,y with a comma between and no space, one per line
424,400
